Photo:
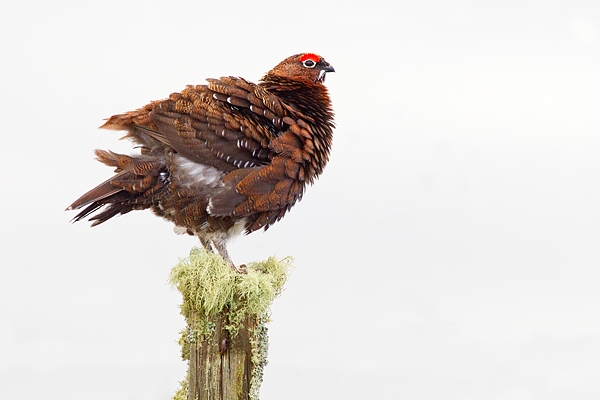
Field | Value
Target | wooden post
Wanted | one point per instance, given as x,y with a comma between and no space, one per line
225,341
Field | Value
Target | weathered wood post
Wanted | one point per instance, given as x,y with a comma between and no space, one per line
225,341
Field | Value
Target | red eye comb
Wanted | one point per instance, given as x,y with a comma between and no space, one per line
310,56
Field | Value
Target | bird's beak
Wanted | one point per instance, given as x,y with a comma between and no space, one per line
323,71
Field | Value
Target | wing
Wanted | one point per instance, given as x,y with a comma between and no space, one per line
227,124
240,128
269,191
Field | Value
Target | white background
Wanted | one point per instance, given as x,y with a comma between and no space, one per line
449,251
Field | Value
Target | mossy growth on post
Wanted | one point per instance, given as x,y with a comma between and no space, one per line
225,341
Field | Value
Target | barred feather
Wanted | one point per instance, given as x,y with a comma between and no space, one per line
218,158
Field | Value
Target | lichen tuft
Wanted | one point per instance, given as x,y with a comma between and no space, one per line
209,286
260,349
181,393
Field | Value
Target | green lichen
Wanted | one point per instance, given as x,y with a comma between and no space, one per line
260,349
181,393
211,288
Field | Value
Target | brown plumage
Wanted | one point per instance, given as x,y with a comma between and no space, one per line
221,158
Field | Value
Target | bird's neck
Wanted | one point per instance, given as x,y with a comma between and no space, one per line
310,102
309,99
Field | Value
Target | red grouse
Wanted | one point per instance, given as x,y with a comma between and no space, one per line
221,158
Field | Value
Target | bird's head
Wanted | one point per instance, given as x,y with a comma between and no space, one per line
303,67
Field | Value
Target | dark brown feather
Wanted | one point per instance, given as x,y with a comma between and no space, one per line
223,157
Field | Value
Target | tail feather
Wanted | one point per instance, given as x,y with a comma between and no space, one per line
117,208
137,181
117,203
100,192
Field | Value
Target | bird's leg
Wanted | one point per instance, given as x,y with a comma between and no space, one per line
221,248
206,244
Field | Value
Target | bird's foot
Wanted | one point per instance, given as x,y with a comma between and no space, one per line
220,248
241,269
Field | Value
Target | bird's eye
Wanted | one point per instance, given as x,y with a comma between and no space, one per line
309,63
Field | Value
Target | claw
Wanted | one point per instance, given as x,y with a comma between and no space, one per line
241,269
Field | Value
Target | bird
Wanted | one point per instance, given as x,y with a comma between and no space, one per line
222,158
